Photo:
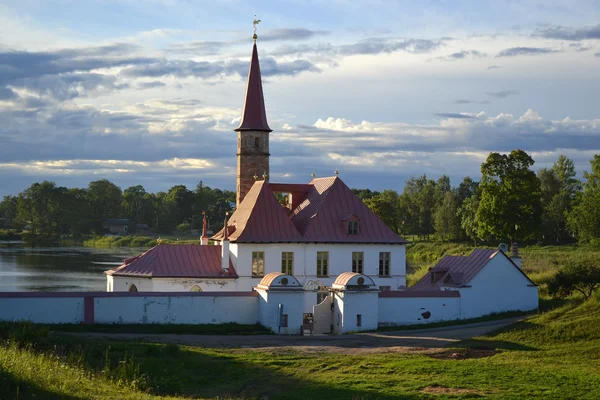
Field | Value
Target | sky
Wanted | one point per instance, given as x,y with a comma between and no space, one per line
149,91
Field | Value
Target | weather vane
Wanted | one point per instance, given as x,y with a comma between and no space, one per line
255,23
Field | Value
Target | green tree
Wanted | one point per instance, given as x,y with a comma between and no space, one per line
420,196
39,207
580,276
467,188
510,197
8,212
104,199
134,202
447,222
585,218
385,206
468,217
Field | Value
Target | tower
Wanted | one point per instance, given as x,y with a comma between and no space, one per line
253,133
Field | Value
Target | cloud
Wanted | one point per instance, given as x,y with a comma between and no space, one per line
568,33
492,67
597,54
289,34
454,115
578,47
525,51
368,46
150,85
502,94
462,101
462,55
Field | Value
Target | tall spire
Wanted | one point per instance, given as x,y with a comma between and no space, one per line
254,116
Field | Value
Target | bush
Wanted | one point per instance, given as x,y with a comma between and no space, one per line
579,276
185,227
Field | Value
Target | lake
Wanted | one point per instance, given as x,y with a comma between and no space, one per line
58,269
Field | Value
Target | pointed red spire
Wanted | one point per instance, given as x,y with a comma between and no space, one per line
254,116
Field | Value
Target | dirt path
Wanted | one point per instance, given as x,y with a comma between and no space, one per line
421,340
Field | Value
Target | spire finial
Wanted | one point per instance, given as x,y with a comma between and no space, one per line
255,23
337,172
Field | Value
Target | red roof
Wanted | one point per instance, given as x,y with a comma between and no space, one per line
319,218
176,261
254,116
458,271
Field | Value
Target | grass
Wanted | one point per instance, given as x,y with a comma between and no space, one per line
552,355
179,329
138,241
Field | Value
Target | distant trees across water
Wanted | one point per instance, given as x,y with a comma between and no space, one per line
512,202
48,211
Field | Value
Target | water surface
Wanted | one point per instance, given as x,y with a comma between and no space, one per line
34,269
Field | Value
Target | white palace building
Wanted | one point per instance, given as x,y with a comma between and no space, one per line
323,262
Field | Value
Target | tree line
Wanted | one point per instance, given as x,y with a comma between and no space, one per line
50,211
512,202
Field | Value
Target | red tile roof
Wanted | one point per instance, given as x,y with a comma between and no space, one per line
254,116
319,218
458,271
176,261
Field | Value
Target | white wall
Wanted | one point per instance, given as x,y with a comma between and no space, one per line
305,262
176,309
123,283
293,306
409,310
349,305
498,287
60,310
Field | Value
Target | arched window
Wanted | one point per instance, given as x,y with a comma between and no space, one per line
133,288
195,288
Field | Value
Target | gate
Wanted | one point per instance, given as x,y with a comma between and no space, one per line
323,317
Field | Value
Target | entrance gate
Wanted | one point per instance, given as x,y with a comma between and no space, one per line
323,316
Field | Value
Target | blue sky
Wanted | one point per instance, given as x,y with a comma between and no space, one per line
149,91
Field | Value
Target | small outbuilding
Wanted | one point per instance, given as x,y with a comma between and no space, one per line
281,303
356,303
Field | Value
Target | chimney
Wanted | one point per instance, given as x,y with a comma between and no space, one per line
203,238
225,247
515,257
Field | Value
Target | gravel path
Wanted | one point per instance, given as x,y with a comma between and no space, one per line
419,340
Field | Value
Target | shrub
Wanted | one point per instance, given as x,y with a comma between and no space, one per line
578,276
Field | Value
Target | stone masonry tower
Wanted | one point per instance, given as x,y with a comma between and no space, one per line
253,133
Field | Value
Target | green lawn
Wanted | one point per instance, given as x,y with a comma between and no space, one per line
552,355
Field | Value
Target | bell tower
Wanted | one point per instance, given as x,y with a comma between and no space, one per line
253,132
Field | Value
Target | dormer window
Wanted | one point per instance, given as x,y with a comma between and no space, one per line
352,227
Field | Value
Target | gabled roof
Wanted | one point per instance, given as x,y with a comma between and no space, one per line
260,219
176,261
458,271
319,218
254,116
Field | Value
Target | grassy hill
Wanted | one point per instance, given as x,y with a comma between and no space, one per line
552,355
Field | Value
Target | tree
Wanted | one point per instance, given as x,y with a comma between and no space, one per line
467,188
468,217
104,199
447,222
39,207
134,202
585,217
581,276
420,195
385,206
8,212
510,205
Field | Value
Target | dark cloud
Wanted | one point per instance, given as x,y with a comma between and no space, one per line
364,47
462,101
290,34
525,51
454,115
462,55
485,102
150,85
492,67
568,33
597,54
502,94
578,47
7,94
199,47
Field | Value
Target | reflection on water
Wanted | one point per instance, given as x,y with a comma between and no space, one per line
24,268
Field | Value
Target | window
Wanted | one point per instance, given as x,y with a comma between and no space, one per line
287,262
352,227
195,288
133,288
358,319
322,263
358,261
284,320
384,263
256,142
258,264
